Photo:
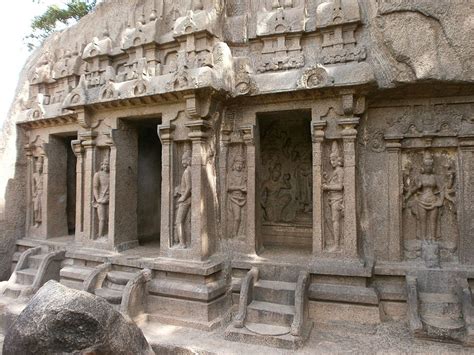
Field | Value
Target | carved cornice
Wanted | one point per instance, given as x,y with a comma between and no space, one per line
49,122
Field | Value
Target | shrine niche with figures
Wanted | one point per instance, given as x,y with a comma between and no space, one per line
265,166
286,179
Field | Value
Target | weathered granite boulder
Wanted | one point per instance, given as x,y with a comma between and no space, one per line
60,320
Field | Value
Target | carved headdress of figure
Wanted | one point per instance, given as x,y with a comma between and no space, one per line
187,155
335,153
239,158
105,160
39,164
427,161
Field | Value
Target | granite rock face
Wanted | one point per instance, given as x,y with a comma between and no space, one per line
60,320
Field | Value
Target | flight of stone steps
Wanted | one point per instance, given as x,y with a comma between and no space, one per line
274,314
33,268
113,286
121,288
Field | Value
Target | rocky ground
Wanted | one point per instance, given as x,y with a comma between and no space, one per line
387,338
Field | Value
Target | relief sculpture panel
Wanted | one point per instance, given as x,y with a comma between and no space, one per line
182,195
333,186
429,203
286,181
101,187
37,192
237,192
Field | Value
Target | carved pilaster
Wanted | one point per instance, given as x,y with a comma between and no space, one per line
349,135
225,141
466,208
78,150
122,222
88,142
395,242
249,135
29,177
165,133
201,234
317,134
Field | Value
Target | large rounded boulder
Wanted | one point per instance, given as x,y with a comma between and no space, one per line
61,320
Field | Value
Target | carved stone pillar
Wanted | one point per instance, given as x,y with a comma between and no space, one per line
395,248
466,205
88,142
123,189
29,197
225,139
349,134
253,243
79,153
317,134
165,133
201,234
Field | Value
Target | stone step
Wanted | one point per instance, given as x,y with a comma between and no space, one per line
443,322
75,284
270,313
120,277
112,296
286,273
431,297
26,276
14,290
275,292
34,261
255,336
113,286
75,272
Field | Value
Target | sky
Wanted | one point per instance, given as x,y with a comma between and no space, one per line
15,21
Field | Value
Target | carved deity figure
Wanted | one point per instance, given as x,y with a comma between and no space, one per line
37,193
101,183
428,197
334,185
237,193
305,182
276,194
183,192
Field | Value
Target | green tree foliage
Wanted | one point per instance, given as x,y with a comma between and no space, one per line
56,17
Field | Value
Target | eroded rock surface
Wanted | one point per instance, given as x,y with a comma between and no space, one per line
60,320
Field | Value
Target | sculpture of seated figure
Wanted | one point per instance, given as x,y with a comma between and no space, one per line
183,192
428,197
276,195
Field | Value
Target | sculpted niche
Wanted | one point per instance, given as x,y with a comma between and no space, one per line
237,190
183,202
37,192
429,203
101,185
334,187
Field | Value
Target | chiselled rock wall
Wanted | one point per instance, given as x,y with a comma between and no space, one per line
338,133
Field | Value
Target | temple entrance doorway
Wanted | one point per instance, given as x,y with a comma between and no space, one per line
61,201
148,181
285,180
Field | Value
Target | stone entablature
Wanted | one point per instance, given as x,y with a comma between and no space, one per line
192,53
232,146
